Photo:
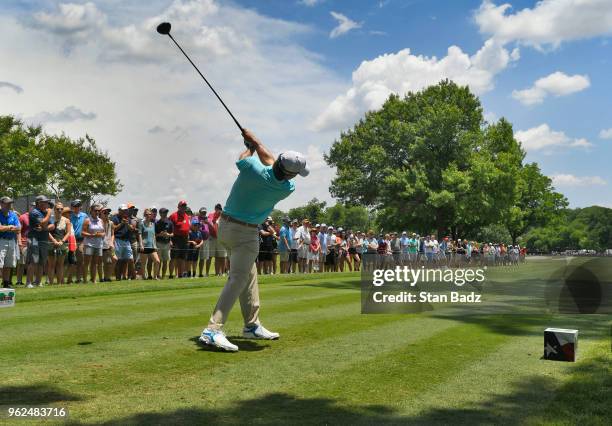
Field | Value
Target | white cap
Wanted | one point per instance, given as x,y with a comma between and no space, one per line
323,225
294,162
123,207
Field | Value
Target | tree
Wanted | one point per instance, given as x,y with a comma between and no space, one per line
36,162
22,172
335,215
77,168
313,210
278,215
428,162
356,218
535,202
573,229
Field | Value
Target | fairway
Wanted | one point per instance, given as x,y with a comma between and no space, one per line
127,353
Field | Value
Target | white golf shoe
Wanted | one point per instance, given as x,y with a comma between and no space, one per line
259,332
217,338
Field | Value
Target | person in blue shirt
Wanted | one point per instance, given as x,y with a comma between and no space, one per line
77,218
9,230
284,236
261,183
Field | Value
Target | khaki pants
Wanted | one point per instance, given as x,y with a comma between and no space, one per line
243,243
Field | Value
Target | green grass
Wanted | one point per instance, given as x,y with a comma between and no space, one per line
127,353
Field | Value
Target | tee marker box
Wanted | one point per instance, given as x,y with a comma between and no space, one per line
560,344
7,297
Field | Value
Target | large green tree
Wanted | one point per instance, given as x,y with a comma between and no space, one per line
427,162
22,170
67,168
313,210
535,202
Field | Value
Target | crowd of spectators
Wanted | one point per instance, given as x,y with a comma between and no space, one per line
64,244
322,248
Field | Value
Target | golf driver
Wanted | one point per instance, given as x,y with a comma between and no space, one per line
164,29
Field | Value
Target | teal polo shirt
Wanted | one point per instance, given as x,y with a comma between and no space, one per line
255,192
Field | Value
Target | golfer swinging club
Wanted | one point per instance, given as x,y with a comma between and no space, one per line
261,183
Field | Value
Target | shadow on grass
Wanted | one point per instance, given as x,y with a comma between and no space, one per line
338,285
519,325
246,345
583,399
34,395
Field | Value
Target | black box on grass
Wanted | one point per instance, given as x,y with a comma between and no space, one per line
560,344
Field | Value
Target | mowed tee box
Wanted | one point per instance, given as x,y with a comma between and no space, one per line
7,297
560,344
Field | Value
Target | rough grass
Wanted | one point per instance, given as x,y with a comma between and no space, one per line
127,353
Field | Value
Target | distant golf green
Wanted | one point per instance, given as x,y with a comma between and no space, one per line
127,353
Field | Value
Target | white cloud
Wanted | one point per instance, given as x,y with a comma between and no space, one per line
569,180
556,84
606,134
14,87
310,3
401,72
72,21
345,25
152,102
543,138
68,114
549,22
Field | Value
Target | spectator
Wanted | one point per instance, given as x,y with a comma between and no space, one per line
293,247
371,260
41,222
274,246
395,248
214,249
331,259
180,241
323,240
58,248
77,218
195,242
267,236
314,250
24,221
123,248
10,229
284,248
149,269
146,240
108,249
72,244
302,236
204,254
342,249
353,251
93,242
134,227
164,231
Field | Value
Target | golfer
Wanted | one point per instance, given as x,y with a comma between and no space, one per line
261,183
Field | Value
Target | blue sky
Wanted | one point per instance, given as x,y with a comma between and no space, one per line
281,65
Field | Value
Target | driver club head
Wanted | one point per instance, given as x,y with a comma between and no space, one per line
164,28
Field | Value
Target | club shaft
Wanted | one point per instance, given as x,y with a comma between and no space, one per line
209,85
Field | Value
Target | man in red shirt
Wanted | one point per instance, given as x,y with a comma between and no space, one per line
214,249
181,221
